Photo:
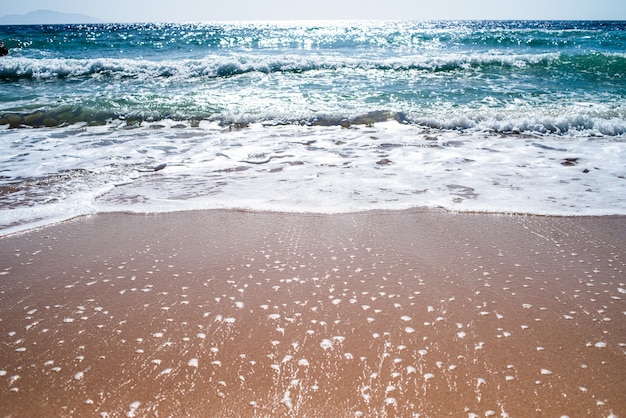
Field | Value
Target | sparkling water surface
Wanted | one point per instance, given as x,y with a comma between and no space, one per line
312,116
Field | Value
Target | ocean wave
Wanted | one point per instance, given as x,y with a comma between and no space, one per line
609,122
565,125
14,69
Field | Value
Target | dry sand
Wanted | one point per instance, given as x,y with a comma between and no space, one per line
226,313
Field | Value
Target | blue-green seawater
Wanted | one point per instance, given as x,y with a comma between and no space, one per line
489,116
558,77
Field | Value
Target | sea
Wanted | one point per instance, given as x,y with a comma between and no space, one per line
525,117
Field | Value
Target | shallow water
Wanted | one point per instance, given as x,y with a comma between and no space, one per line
319,117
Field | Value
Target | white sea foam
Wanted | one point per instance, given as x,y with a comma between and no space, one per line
388,166
215,65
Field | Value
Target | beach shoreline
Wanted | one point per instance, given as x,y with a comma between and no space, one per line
377,313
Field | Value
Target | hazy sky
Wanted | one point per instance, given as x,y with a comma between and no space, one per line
211,10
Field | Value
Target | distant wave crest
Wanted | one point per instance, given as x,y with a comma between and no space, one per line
13,69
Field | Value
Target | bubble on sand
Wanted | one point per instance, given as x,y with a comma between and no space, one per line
405,318
286,400
133,409
193,363
165,371
79,375
461,334
326,344
409,330
545,372
600,344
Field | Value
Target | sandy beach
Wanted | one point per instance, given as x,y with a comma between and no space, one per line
373,314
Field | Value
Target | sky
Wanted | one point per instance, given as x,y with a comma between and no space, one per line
219,10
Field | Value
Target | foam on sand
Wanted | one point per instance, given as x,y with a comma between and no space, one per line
227,313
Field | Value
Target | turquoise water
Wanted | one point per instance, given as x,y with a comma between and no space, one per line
525,117
559,77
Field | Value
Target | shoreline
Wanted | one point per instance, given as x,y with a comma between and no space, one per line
14,230
377,313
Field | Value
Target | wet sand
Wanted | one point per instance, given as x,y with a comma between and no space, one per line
226,313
